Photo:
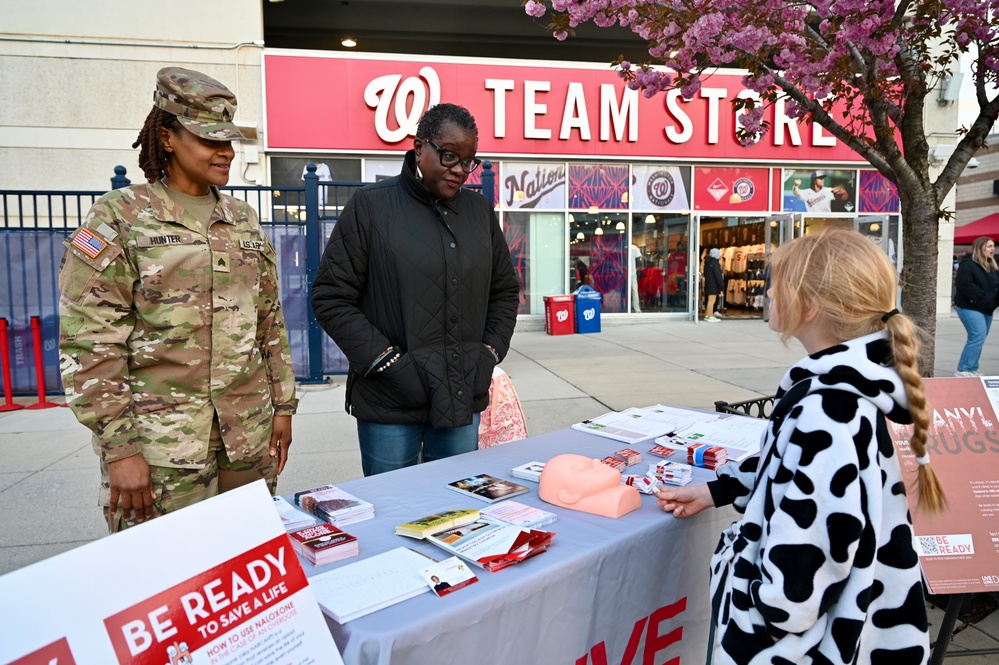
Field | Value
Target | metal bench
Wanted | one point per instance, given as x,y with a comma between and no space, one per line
755,408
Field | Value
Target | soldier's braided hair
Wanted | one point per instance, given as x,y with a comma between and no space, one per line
152,157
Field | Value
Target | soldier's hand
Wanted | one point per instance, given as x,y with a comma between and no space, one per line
281,440
132,485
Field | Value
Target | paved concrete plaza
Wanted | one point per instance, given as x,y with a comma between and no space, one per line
49,477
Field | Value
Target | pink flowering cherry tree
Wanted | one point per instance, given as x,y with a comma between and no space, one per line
862,69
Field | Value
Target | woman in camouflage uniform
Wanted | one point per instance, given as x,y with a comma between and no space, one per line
173,346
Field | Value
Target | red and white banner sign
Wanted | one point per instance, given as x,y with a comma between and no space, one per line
362,103
731,188
217,583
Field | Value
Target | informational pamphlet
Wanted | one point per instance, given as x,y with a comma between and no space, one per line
448,576
217,583
959,550
360,588
487,488
492,544
636,425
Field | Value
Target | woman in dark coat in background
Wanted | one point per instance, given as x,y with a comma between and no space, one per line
714,283
975,301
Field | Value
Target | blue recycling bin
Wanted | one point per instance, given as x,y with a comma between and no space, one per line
587,310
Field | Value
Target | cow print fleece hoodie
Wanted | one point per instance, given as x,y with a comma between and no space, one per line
821,568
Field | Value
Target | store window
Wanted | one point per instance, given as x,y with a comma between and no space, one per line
532,196
537,248
598,254
742,243
661,262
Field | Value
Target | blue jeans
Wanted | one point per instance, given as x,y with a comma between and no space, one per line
388,447
977,325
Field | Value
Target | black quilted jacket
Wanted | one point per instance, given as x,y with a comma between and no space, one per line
433,278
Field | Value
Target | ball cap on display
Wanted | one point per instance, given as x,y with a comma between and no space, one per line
818,174
202,105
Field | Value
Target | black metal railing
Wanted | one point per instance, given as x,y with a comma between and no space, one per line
35,224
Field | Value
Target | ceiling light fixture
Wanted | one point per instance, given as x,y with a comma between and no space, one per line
580,236
619,226
347,42
650,219
598,231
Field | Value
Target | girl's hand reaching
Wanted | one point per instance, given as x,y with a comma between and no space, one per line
685,501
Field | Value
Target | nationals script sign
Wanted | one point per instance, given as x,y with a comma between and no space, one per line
368,103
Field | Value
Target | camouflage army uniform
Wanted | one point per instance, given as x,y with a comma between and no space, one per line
167,327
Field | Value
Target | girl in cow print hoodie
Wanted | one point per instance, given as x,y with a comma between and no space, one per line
821,567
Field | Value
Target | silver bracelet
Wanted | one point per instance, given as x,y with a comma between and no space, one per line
384,354
390,362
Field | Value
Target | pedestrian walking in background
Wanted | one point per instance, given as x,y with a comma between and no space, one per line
821,566
975,301
417,288
714,283
173,347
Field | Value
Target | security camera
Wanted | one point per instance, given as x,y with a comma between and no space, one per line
972,163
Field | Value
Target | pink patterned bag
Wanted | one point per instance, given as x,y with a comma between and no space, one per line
503,420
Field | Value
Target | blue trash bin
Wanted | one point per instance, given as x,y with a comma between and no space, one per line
587,310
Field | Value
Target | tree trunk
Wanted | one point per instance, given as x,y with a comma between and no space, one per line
920,224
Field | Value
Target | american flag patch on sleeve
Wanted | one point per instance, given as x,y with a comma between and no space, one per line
88,243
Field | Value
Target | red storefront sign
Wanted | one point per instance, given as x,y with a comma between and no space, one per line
363,103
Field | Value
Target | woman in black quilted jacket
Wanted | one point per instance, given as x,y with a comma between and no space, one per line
417,289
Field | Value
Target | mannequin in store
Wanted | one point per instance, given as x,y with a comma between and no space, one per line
714,283
636,300
676,275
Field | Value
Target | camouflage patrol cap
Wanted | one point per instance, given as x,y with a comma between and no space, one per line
202,105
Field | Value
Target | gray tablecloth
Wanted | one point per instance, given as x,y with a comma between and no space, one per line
634,589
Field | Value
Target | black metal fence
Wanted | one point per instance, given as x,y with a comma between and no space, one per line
35,224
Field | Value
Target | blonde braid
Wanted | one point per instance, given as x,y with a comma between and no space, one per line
905,348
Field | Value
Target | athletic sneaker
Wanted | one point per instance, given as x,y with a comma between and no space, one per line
712,319
958,372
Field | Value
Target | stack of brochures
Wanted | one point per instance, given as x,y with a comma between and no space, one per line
445,519
673,473
334,505
697,454
530,471
292,518
519,514
321,544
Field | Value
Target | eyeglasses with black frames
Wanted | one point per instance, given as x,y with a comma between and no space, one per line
450,158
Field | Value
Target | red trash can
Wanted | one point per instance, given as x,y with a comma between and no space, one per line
560,315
